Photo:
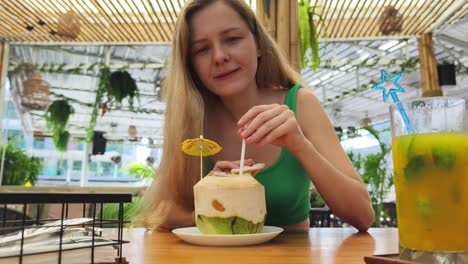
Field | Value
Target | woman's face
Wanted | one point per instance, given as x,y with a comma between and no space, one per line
223,50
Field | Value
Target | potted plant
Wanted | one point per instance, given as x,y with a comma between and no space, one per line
57,117
375,174
121,86
145,172
19,168
116,86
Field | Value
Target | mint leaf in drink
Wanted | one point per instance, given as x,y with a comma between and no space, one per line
409,141
424,208
443,156
414,167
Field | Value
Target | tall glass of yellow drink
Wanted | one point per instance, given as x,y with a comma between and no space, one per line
430,162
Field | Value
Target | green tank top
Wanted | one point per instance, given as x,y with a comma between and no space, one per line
287,185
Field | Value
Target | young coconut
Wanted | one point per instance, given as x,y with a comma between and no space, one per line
227,203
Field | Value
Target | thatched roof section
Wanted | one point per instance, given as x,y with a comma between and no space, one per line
153,21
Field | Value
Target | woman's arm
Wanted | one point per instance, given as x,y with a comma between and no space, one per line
174,216
312,140
328,166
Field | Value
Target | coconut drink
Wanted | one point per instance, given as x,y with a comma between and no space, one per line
229,203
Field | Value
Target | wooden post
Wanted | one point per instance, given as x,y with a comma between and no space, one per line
4,60
283,27
428,68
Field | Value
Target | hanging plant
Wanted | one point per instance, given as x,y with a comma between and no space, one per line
308,33
121,86
61,139
103,86
57,117
58,113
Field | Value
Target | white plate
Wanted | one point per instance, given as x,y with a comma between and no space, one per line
193,235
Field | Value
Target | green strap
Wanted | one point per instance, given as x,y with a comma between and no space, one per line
291,97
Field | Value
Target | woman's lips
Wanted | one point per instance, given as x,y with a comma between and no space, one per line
226,75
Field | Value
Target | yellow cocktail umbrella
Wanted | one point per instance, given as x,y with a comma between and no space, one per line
200,147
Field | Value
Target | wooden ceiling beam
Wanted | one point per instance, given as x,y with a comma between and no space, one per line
14,22
412,17
141,21
162,31
375,30
117,19
156,31
45,30
134,28
440,10
168,32
103,19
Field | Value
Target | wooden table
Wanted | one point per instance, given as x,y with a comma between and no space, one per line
320,245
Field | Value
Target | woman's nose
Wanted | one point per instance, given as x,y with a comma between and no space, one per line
220,54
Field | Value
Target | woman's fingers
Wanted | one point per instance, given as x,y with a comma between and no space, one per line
253,113
259,116
266,128
275,134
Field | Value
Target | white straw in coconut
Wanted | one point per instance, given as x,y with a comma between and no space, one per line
201,157
241,172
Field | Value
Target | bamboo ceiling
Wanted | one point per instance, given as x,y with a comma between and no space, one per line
152,21
361,19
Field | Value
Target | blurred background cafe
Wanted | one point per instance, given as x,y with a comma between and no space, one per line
81,102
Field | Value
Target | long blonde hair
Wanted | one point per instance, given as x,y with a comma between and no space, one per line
186,98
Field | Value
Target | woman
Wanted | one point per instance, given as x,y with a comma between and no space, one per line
227,79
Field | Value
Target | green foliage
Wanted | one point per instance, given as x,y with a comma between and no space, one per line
111,211
415,167
444,157
139,171
58,113
116,85
103,85
61,139
266,7
375,173
122,85
308,33
316,200
57,116
19,168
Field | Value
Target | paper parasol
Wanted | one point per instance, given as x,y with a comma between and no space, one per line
200,147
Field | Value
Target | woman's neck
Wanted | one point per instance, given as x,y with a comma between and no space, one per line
236,106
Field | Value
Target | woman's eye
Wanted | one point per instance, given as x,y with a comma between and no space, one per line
201,50
233,39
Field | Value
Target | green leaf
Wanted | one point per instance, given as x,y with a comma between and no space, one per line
61,139
443,156
266,7
424,209
139,171
57,116
130,210
19,168
304,29
103,85
314,45
414,167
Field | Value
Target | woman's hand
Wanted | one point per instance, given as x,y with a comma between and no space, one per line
227,166
271,124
